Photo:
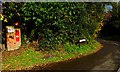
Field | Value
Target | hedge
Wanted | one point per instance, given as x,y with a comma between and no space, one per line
54,23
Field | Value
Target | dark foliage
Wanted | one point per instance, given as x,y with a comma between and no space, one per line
54,23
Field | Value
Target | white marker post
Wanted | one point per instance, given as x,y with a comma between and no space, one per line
82,40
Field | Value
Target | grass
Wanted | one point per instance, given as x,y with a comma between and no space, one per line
30,57
27,58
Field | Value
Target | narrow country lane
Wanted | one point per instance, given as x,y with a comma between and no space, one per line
105,59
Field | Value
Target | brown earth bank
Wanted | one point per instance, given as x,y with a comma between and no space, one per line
68,63
106,59
17,52
46,66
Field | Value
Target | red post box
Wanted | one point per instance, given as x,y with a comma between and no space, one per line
17,35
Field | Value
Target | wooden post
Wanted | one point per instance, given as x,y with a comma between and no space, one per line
13,38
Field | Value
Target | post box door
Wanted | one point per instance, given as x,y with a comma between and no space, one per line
17,35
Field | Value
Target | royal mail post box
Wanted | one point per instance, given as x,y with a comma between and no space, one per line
17,35
13,38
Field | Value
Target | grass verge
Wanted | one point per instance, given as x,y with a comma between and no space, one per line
29,58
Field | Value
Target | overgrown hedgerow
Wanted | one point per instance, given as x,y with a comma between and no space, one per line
54,23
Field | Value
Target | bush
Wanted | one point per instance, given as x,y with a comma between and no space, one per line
54,23
82,48
71,48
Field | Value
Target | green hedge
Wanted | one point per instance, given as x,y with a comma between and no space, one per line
53,23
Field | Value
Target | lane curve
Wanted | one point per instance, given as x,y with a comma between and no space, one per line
105,59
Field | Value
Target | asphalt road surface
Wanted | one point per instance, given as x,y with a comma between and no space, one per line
106,59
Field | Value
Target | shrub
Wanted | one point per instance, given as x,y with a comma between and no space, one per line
53,23
71,48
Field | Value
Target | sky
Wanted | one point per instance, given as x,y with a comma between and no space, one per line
108,8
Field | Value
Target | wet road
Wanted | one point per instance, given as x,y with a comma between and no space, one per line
105,59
